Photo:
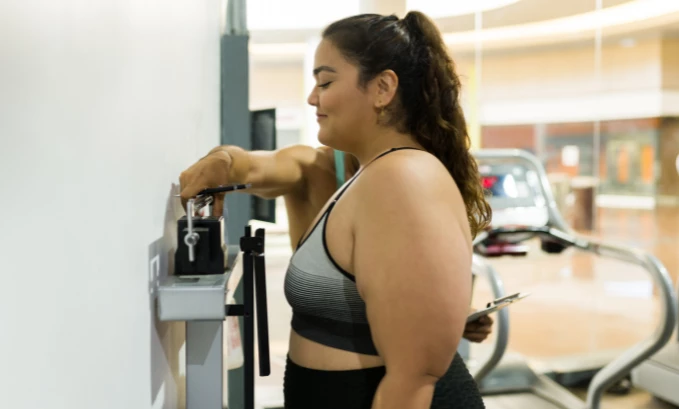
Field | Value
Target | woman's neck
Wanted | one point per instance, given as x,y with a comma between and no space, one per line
380,142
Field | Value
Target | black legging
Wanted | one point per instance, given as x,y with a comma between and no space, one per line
306,388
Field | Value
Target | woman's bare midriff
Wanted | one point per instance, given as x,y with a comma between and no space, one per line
310,354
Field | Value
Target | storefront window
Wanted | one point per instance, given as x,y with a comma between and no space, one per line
629,163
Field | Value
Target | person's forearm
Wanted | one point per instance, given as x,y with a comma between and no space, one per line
271,173
239,171
404,392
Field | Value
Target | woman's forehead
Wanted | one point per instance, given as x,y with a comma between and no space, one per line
328,58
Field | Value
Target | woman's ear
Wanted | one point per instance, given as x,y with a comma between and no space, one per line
387,84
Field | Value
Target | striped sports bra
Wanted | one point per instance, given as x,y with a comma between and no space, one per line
326,305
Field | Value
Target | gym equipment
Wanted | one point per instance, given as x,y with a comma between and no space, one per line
496,305
480,369
513,383
520,196
205,278
263,138
659,375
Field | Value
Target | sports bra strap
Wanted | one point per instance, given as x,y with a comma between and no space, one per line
339,163
339,168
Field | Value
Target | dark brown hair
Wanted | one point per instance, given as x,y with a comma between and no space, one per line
428,105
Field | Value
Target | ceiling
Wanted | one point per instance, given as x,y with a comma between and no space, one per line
519,24
524,11
520,12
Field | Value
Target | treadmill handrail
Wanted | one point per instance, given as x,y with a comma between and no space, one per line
567,239
623,365
480,265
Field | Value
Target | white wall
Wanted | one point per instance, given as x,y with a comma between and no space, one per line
102,104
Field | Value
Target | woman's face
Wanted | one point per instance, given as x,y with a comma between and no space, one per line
344,110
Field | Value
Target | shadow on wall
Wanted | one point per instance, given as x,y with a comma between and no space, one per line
168,389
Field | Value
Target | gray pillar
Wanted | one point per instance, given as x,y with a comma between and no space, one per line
235,122
204,365
235,128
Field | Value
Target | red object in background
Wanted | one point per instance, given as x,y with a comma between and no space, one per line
488,181
503,249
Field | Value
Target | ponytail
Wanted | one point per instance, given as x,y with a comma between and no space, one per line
436,118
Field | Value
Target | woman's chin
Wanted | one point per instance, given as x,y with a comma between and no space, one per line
330,139
324,139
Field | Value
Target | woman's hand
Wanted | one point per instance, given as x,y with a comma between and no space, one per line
270,173
211,171
478,331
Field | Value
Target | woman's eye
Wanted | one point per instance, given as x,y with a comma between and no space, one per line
325,85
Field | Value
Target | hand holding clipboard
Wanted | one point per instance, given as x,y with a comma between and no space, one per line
496,305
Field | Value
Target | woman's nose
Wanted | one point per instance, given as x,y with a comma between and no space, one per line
312,99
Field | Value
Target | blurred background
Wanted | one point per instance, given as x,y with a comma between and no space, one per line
104,103
588,86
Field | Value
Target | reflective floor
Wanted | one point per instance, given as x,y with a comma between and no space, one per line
580,304
583,303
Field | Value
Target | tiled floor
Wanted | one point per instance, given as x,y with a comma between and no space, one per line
580,304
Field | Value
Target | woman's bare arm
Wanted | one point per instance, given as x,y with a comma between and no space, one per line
412,261
271,173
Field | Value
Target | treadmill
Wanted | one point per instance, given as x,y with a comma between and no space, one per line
523,209
659,375
515,195
481,368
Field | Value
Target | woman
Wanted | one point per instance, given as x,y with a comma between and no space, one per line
380,280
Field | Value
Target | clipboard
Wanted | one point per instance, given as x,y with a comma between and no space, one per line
497,305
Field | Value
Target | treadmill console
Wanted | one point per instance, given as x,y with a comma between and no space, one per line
514,193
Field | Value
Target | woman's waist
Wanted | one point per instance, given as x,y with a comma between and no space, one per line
313,355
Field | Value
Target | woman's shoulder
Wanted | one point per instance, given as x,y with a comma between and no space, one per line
413,174
409,185
407,166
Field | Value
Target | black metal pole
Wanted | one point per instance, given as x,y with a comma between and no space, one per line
248,317
262,313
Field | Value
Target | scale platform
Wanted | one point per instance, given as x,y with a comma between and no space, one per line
196,298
